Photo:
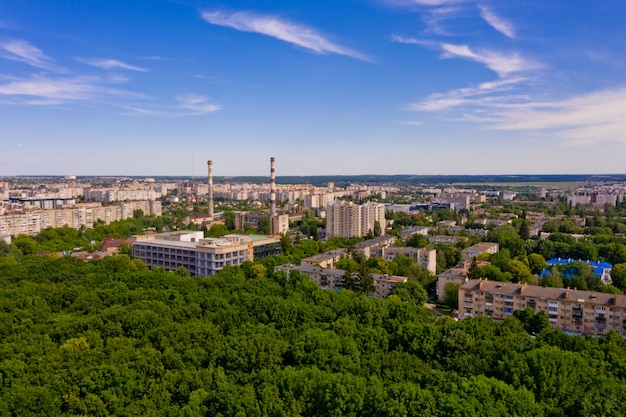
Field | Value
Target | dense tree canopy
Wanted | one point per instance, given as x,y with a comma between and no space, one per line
111,338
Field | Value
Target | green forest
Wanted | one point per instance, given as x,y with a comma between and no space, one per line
109,337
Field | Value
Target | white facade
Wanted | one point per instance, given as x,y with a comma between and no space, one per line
200,257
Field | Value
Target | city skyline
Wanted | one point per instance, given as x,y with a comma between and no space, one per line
386,87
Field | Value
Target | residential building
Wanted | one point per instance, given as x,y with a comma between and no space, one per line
426,258
374,247
445,239
409,232
349,220
326,259
333,279
475,250
31,222
572,311
455,275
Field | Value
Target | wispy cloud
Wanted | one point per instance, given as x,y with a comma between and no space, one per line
42,90
188,105
431,3
109,64
496,22
153,58
501,63
275,27
23,51
582,120
465,96
196,105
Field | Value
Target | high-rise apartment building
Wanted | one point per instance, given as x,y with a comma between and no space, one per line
348,220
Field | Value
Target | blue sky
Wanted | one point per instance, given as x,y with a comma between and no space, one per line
144,87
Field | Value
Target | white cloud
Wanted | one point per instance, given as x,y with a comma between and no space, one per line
500,63
582,120
427,3
23,51
197,105
188,105
43,90
496,22
110,64
412,41
283,30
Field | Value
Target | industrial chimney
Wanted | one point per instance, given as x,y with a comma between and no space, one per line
272,188
210,189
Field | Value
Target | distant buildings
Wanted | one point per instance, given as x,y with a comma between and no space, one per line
31,222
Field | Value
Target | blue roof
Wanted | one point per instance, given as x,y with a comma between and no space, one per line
598,266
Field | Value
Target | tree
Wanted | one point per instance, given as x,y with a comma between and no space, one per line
124,249
366,280
218,230
181,271
533,323
524,230
377,228
264,226
349,281
285,245
519,271
553,279
410,292
536,263
451,291
229,219
473,272
618,276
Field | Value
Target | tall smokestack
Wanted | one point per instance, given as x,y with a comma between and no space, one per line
211,189
272,188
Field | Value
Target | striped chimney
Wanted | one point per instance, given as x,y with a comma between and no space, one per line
211,189
272,188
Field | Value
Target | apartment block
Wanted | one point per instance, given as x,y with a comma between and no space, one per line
426,258
326,259
76,215
473,251
333,279
572,311
374,247
348,220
